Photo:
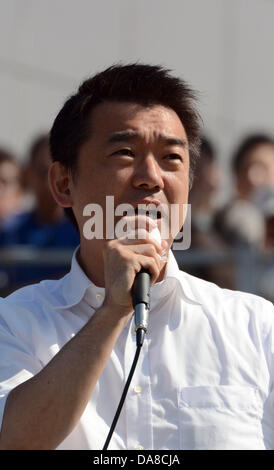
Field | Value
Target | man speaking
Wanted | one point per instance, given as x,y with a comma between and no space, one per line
206,368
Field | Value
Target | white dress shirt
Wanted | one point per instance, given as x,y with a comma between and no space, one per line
205,375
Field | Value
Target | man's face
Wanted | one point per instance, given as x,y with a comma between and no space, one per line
136,154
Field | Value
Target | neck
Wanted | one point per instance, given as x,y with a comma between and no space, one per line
90,258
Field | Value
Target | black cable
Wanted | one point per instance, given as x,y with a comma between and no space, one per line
140,300
117,414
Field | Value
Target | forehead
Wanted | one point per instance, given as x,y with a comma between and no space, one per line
263,153
110,117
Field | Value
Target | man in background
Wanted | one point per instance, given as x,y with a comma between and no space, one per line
45,225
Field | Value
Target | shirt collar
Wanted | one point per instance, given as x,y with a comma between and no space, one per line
173,277
76,286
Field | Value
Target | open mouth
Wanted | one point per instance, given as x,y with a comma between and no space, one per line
153,214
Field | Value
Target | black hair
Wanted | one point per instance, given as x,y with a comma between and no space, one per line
143,84
7,156
247,145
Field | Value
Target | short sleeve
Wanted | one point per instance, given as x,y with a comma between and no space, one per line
17,363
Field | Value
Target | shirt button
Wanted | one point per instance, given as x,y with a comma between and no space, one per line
99,296
139,447
137,389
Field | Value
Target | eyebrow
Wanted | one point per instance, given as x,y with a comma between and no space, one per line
123,136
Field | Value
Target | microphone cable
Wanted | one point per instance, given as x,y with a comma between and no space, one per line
117,414
140,300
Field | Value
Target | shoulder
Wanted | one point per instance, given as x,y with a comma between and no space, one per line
216,299
29,307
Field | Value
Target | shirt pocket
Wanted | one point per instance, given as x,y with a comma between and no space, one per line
220,417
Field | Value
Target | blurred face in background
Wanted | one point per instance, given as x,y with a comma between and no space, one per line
10,188
206,183
257,170
37,178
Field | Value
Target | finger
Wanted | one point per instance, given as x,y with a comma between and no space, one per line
146,250
149,263
141,236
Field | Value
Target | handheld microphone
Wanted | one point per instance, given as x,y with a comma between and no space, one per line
140,300
141,297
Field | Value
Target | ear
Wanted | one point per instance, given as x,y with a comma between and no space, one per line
60,183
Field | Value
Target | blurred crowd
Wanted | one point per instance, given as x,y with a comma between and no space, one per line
244,224
30,217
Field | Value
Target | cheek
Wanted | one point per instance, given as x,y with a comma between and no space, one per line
177,189
95,186
117,183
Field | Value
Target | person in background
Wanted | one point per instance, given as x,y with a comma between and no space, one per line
11,191
242,222
201,197
45,225
11,199
204,236
253,165
245,222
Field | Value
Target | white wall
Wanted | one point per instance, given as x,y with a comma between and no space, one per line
223,47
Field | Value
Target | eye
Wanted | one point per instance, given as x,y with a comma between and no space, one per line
173,156
125,151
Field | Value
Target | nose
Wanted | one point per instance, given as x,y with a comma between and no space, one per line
148,175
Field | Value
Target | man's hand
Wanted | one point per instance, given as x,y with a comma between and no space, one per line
123,259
